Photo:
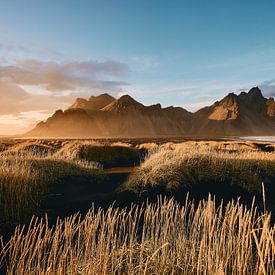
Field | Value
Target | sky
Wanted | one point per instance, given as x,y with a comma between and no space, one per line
181,53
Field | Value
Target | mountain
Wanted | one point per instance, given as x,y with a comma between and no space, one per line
124,104
123,117
104,116
94,103
244,114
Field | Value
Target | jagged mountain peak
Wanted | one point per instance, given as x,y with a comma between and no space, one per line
231,95
79,103
124,103
231,98
225,109
103,96
94,102
127,99
230,106
58,113
155,107
255,92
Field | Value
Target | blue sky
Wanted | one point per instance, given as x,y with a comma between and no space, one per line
183,53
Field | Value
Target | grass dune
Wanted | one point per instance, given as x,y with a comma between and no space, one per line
25,179
117,154
182,165
30,147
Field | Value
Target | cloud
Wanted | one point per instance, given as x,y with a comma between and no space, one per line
11,97
37,88
55,76
17,124
14,100
20,110
268,88
30,49
3,60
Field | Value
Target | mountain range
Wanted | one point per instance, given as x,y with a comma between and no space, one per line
248,113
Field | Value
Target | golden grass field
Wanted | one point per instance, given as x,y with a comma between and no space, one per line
206,237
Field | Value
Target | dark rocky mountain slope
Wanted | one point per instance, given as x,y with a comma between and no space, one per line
104,116
244,114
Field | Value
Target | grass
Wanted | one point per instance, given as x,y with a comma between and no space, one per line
37,148
109,154
28,168
185,165
161,238
25,179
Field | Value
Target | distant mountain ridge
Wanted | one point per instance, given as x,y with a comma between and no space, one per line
104,116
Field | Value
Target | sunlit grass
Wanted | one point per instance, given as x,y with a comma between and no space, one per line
183,165
162,238
108,154
24,179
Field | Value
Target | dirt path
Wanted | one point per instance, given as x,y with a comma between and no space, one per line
120,170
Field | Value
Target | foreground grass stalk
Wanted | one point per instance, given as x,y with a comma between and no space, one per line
161,238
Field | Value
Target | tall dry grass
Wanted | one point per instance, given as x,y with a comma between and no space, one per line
161,238
183,165
25,178
107,154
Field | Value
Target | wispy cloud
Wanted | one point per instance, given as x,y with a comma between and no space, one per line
15,100
30,49
56,76
268,87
